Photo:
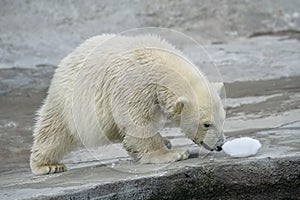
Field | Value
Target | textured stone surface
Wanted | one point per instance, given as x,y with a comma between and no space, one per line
238,179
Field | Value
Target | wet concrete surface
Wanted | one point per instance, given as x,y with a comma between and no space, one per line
251,178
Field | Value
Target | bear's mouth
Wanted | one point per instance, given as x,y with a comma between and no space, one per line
218,148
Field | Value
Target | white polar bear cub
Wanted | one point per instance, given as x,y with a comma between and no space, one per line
116,88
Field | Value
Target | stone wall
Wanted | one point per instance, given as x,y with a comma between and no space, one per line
43,32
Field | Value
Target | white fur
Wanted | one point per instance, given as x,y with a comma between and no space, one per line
119,89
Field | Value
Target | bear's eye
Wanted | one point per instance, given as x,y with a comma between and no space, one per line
207,125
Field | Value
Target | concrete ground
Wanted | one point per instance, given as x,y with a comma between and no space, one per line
258,57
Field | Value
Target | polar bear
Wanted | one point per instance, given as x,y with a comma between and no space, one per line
116,88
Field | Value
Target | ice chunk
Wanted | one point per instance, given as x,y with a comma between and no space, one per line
241,147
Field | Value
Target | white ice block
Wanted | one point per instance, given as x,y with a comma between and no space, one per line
241,147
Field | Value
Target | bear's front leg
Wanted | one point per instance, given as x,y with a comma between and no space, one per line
52,140
153,149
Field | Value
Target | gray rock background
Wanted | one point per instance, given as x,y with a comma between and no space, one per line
43,32
36,35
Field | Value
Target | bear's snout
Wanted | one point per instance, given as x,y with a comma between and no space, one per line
217,147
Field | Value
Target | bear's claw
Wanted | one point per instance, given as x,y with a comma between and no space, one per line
184,155
165,156
49,169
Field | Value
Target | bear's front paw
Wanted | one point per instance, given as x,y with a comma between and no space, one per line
165,156
48,169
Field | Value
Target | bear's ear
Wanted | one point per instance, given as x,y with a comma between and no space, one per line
181,103
218,87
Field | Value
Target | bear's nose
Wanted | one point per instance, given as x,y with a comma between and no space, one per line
219,148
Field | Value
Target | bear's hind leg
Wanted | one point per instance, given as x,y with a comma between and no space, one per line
52,141
153,149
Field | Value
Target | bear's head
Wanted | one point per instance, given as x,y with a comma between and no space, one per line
202,119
